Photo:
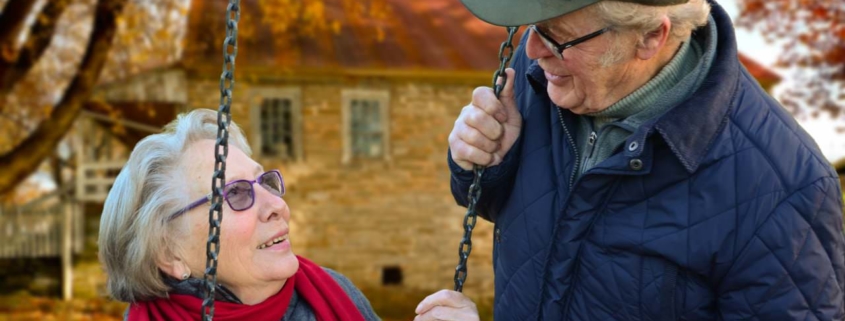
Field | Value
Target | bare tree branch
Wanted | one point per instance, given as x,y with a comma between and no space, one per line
24,159
11,21
40,35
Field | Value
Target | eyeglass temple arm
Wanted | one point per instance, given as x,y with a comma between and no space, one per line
585,38
191,206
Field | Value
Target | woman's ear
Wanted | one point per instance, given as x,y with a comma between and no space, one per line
653,41
173,266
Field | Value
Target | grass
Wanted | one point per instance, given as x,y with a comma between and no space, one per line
396,303
23,306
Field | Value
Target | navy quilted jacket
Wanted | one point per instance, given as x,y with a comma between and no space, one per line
725,210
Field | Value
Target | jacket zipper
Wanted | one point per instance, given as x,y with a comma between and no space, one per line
591,147
574,149
577,265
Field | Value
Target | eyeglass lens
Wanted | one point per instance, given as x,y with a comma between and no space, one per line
272,181
241,195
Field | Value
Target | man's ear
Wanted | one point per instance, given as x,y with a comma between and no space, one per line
653,41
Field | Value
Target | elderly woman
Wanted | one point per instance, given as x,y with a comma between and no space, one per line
636,171
155,224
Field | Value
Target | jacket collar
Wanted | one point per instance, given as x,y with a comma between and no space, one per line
690,127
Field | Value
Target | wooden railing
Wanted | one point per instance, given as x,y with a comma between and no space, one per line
51,226
94,180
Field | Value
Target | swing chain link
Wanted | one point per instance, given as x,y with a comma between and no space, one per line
221,151
505,54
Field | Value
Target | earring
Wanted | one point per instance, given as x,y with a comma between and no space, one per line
185,276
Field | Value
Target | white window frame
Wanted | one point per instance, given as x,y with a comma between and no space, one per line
383,98
258,95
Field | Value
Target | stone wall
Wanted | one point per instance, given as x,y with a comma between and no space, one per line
366,215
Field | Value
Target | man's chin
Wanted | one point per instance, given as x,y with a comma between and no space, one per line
561,97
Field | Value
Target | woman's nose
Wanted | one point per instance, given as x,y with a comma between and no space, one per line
271,206
534,47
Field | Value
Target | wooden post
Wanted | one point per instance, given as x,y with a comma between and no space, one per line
67,250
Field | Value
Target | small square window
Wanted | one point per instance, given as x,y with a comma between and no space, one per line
391,275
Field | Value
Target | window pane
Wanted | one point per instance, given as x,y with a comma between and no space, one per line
365,128
277,127
376,116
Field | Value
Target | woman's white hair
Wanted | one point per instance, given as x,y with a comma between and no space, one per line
641,19
134,229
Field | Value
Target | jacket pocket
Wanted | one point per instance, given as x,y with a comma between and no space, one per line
667,292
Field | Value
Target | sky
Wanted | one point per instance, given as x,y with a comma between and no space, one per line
822,129
751,43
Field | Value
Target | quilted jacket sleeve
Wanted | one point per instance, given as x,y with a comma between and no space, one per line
496,184
790,265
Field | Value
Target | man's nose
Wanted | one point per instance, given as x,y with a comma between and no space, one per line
534,47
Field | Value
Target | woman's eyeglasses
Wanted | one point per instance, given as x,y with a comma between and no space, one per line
240,194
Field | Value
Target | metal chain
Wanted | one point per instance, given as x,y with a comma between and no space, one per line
505,54
221,151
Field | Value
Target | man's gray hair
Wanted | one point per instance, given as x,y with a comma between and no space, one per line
641,19
134,229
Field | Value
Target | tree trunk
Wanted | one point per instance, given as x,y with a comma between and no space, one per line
39,37
24,159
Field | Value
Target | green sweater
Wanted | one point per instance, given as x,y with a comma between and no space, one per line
601,133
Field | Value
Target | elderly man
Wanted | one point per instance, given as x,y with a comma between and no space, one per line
636,171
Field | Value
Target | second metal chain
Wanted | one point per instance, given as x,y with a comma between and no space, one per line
221,151
505,54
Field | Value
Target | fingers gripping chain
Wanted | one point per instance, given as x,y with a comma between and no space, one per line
505,54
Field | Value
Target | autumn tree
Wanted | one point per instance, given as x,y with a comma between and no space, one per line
53,53
813,32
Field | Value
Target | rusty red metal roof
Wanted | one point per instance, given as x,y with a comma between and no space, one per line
757,70
425,35
439,35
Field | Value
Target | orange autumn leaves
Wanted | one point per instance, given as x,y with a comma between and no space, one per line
813,36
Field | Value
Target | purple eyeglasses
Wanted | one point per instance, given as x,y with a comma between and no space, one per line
240,193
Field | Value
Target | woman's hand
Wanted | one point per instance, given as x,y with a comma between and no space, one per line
446,305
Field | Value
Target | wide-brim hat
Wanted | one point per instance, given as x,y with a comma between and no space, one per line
524,12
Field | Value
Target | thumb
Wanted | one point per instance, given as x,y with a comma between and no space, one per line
507,97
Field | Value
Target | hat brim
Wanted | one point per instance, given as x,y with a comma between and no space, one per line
523,12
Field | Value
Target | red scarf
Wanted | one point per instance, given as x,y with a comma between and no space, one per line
326,298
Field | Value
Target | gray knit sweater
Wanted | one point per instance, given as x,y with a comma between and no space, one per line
297,308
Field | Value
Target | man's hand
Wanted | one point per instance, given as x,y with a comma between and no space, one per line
487,128
446,305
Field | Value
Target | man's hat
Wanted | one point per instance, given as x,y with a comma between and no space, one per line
523,12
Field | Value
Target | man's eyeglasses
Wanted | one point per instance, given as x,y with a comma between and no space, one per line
556,48
240,193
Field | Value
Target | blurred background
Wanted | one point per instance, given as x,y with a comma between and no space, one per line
351,99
